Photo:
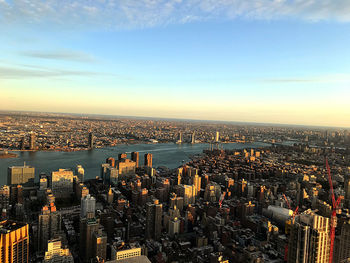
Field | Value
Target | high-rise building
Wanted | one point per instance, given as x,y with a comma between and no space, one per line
217,136
91,140
148,159
55,253
309,239
99,241
180,140
62,183
212,192
197,184
154,213
347,191
79,172
49,225
188,193
126,168
135,156
88,226
88,204
344,248
110,196
4,197
23,143
43,182
32,140
23,175
193,138
14,242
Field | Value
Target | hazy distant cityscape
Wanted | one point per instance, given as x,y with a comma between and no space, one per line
242,192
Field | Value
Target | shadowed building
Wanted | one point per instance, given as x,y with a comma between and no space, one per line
148,160
135,156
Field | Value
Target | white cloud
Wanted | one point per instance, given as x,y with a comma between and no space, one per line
149,13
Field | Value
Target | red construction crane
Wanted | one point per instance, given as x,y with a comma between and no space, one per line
222,198
295,212
335,206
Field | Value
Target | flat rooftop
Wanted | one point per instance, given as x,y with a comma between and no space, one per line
9,225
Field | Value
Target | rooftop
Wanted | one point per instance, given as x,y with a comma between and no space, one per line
8,226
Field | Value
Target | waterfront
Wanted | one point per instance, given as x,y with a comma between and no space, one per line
167,154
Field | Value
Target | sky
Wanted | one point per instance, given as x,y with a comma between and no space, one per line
270,61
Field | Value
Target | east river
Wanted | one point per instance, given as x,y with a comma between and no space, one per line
167,154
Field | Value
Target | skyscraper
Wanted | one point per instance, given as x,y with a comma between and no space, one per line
99,244
23,175
197,184
79,172
49,225
153,219
344,249
148,159
14,242
347,191
188,192
217,136
88,226
32,140
193,138
180,138
62,183
88,204
91,140
135,158
309,239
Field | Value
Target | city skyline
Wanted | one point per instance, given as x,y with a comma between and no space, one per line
277,62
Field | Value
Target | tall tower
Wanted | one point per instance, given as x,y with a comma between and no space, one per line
23,143
135,157
344,250
14,242
193,139
88,204
197,184
88,226
347,191
217,136
309,239
91,140
32,141
154,213
79,172
49,225
148,159
180,138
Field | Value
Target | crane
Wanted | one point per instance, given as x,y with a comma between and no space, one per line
335,206
222,198
295,212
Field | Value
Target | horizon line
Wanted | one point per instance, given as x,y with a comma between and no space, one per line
176,119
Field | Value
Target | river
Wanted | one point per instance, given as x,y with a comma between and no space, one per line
168,154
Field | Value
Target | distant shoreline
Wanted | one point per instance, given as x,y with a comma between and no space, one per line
102,147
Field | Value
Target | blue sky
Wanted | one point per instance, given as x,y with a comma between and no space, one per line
260,60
